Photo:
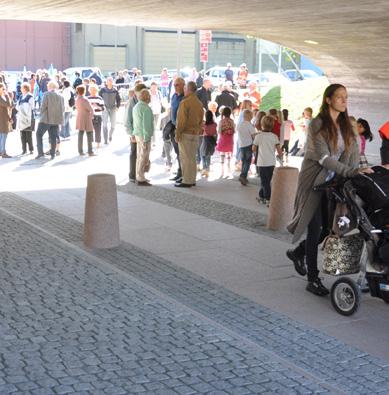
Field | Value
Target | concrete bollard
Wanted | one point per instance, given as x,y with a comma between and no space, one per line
283,192
101,221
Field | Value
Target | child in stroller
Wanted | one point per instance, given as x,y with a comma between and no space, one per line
367,199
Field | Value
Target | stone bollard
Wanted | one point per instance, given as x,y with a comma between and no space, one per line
101,221
283,192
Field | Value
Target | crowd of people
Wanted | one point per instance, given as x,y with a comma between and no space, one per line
196,123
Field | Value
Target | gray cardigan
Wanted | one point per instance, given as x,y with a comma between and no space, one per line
313,173
52,109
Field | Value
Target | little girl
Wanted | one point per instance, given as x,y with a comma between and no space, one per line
208,144
365,133
226,132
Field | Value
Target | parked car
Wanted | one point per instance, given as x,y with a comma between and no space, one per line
268,79
217,74
85,72
298,75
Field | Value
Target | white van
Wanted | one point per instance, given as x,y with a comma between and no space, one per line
85,72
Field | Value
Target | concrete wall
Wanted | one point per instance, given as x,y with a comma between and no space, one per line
34,45
85,36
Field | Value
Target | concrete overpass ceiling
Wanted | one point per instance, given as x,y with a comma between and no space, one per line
352,36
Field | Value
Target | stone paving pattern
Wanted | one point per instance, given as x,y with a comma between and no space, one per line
290,347
239,217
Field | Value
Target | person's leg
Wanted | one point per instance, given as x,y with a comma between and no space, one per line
4,143
133,157
222,159
198,155
53,135
167,147
177,151
183,159
24,141
105,125
42,128
193,144
28,134
81,142
312,243
143,153
66,131
269,175
245,153
286,147
89,137
112,119
262,175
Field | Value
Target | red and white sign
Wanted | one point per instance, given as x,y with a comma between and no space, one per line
205,36
203,52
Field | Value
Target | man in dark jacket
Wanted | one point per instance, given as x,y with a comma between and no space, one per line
204,93
112,100
226,98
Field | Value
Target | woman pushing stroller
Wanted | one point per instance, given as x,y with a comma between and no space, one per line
331,150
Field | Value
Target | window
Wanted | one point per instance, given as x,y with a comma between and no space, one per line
78,27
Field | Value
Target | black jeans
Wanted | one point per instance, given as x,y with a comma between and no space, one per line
133,148
26,137
316,233
266,174
89,136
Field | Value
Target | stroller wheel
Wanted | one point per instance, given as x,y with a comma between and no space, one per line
345,296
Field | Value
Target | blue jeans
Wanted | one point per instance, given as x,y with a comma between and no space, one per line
246,154
53,131
3,138
65,129
206,162
109,114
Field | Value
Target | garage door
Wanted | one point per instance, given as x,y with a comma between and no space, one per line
160,50
109,58
222,51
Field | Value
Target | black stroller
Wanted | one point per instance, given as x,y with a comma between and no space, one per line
366,200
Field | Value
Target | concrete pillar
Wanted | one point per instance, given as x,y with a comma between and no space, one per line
101,223
284,186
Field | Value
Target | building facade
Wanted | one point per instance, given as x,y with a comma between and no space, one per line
34,45
118,47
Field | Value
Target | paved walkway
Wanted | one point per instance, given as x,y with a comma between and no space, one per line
199,297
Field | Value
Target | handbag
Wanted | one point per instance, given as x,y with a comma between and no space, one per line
342,255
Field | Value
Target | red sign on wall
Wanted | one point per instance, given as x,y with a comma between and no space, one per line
205,36
203,52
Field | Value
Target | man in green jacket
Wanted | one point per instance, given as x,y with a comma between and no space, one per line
143,132
129,126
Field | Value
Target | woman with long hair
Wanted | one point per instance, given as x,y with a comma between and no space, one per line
331,149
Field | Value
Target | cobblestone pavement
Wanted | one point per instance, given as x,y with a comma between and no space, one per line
239,217
77,326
